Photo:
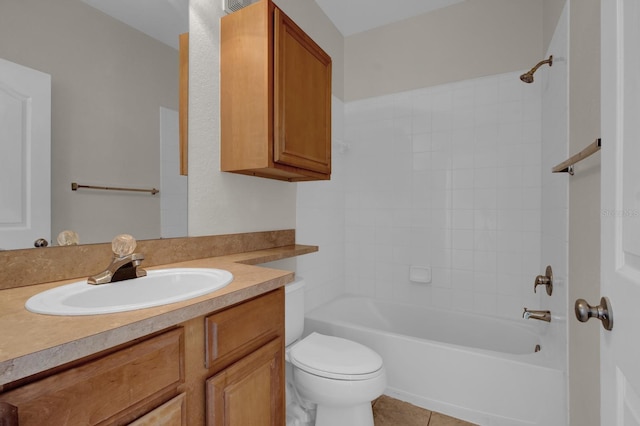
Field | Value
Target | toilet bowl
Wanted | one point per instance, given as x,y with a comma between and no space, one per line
339,376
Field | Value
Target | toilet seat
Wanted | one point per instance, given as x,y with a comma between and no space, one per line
335,358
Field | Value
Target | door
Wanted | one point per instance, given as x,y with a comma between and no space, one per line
620,233
25,155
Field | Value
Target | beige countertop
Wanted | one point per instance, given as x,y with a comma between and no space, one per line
31,343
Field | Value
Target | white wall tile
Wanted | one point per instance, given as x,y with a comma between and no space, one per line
485,144
325,208
446,177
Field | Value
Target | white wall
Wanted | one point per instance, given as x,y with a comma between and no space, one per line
551,12
463,41
173,186
584,208
555,188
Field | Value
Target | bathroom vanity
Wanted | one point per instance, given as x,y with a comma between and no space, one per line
163,376
199,362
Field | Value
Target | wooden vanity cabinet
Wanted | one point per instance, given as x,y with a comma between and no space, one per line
225,368
275,97
112,389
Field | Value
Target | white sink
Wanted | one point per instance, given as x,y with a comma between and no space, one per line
159,287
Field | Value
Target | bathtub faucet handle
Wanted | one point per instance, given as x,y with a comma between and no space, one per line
545,280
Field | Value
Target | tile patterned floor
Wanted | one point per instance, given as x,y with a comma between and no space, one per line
388,411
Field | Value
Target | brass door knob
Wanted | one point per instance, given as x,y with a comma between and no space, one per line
40,242
603,312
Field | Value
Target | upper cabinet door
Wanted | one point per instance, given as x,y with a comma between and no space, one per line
275,97
302,99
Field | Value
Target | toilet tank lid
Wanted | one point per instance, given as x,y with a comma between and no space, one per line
335,357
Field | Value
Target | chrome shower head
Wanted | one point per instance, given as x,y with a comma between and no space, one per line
528,76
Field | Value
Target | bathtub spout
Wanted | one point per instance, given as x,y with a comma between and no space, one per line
538,315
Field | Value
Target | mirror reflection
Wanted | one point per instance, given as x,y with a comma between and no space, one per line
114,113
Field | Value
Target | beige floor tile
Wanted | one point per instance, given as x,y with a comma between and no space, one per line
389,411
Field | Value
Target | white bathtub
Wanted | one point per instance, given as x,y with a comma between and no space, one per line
476,368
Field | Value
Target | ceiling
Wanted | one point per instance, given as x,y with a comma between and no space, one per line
354,16
165,19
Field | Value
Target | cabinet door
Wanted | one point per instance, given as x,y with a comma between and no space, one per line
171,413
108,390
249,392
302,99
233,333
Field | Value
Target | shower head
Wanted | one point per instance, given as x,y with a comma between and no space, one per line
528,76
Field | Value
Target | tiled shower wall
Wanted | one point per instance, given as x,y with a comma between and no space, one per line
320,221
446,178
555,186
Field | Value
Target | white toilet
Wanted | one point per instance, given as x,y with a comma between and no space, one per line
340,376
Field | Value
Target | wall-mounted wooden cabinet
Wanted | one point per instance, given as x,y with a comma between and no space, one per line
275,97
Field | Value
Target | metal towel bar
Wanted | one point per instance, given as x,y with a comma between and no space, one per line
567,165
75,186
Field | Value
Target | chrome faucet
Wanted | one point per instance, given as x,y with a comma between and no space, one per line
124,265
537,315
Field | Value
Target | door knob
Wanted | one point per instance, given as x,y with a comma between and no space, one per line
603,312
40,242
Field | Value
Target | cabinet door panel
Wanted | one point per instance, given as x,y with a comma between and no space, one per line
249,392
302,99
238,331
104,389
171,413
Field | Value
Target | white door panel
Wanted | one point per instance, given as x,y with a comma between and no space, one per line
25,155
620,234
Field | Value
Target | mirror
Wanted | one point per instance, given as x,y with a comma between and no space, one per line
114,109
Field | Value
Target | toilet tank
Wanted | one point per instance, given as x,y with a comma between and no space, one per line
293,311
